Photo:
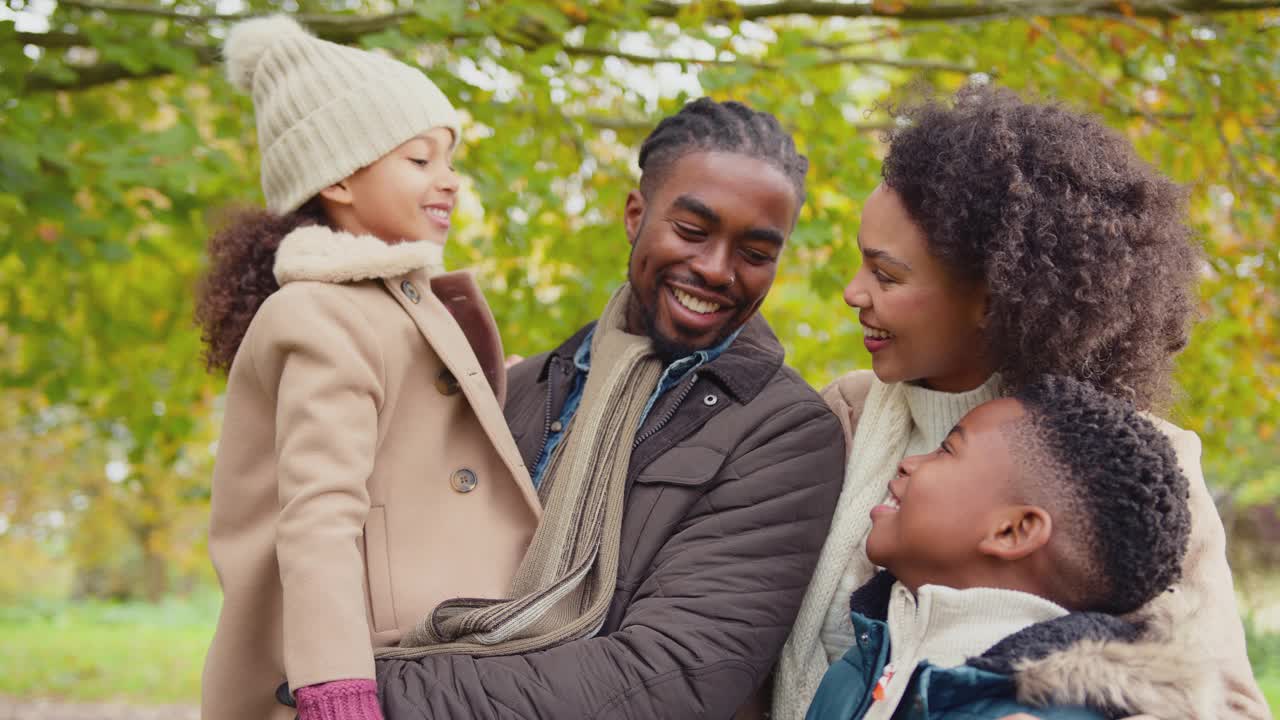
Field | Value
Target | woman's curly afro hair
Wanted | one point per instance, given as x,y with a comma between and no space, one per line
1082,245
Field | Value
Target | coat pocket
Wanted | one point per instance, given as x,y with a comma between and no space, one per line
377,563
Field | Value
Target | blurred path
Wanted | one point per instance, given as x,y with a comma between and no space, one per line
16,709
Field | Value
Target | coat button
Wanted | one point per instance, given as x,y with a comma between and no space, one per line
710,400
410,291
557,426
464,480
446,383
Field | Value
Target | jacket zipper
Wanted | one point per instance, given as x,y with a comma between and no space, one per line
546,424
669,414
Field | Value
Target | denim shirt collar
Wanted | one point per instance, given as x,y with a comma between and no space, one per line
678,368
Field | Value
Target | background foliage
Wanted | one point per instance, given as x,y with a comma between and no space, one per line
121,144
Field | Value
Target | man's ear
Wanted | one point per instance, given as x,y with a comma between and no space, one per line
633,215
1019,531
338,193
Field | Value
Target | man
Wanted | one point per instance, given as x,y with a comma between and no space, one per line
730,479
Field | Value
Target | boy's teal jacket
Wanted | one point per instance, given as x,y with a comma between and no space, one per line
962,693
1064,664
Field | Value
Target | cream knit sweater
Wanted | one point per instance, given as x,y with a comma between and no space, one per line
947,626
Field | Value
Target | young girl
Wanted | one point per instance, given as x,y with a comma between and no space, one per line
363,442
1007,241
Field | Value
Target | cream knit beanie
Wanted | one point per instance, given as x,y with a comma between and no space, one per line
325,110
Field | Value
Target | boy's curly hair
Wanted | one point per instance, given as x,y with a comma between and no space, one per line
1082,245
1112,483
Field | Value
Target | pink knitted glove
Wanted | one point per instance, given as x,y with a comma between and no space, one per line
339,700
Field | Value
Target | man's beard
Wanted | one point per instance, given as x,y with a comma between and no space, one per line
669,349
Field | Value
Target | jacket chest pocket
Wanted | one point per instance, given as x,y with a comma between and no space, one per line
661,499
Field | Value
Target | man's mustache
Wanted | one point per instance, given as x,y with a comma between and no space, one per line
697,282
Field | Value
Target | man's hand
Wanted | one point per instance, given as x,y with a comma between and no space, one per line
513,359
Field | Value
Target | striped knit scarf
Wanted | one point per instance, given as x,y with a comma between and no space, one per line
567,578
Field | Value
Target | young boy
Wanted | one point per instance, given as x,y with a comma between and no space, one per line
1013,548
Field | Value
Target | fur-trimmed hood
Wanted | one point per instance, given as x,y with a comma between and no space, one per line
316,252
1145,664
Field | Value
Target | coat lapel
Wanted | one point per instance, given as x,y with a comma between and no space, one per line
447,308
447,338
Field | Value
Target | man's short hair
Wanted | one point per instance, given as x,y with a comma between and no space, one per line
1110,480
705,125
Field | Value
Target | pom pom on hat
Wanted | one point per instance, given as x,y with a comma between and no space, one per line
325,110
249,40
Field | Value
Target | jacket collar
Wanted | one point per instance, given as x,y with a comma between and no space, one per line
1120,666
743,369
316,252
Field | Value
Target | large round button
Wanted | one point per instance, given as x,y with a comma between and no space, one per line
410,291
464,480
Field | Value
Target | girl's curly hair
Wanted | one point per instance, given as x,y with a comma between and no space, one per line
1083,246
241,260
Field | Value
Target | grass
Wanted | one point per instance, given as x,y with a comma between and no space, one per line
106,651
153,653
1264,655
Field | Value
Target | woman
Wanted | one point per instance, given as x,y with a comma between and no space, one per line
1009,240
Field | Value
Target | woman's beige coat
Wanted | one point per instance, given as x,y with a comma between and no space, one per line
365,472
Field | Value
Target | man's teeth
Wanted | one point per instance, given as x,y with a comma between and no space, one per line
893,503
875,333
699,306
438,212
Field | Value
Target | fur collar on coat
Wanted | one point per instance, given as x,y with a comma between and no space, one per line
316,252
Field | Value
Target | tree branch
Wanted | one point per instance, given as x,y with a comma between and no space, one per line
1072,59
355,25
905,63
92,76
338,28
349,28
52,40
103,73
953,11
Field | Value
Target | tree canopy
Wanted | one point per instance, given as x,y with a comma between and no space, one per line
121,145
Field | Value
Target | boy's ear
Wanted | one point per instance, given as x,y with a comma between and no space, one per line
1019,531
337,193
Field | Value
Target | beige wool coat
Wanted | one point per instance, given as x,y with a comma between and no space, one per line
365,472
